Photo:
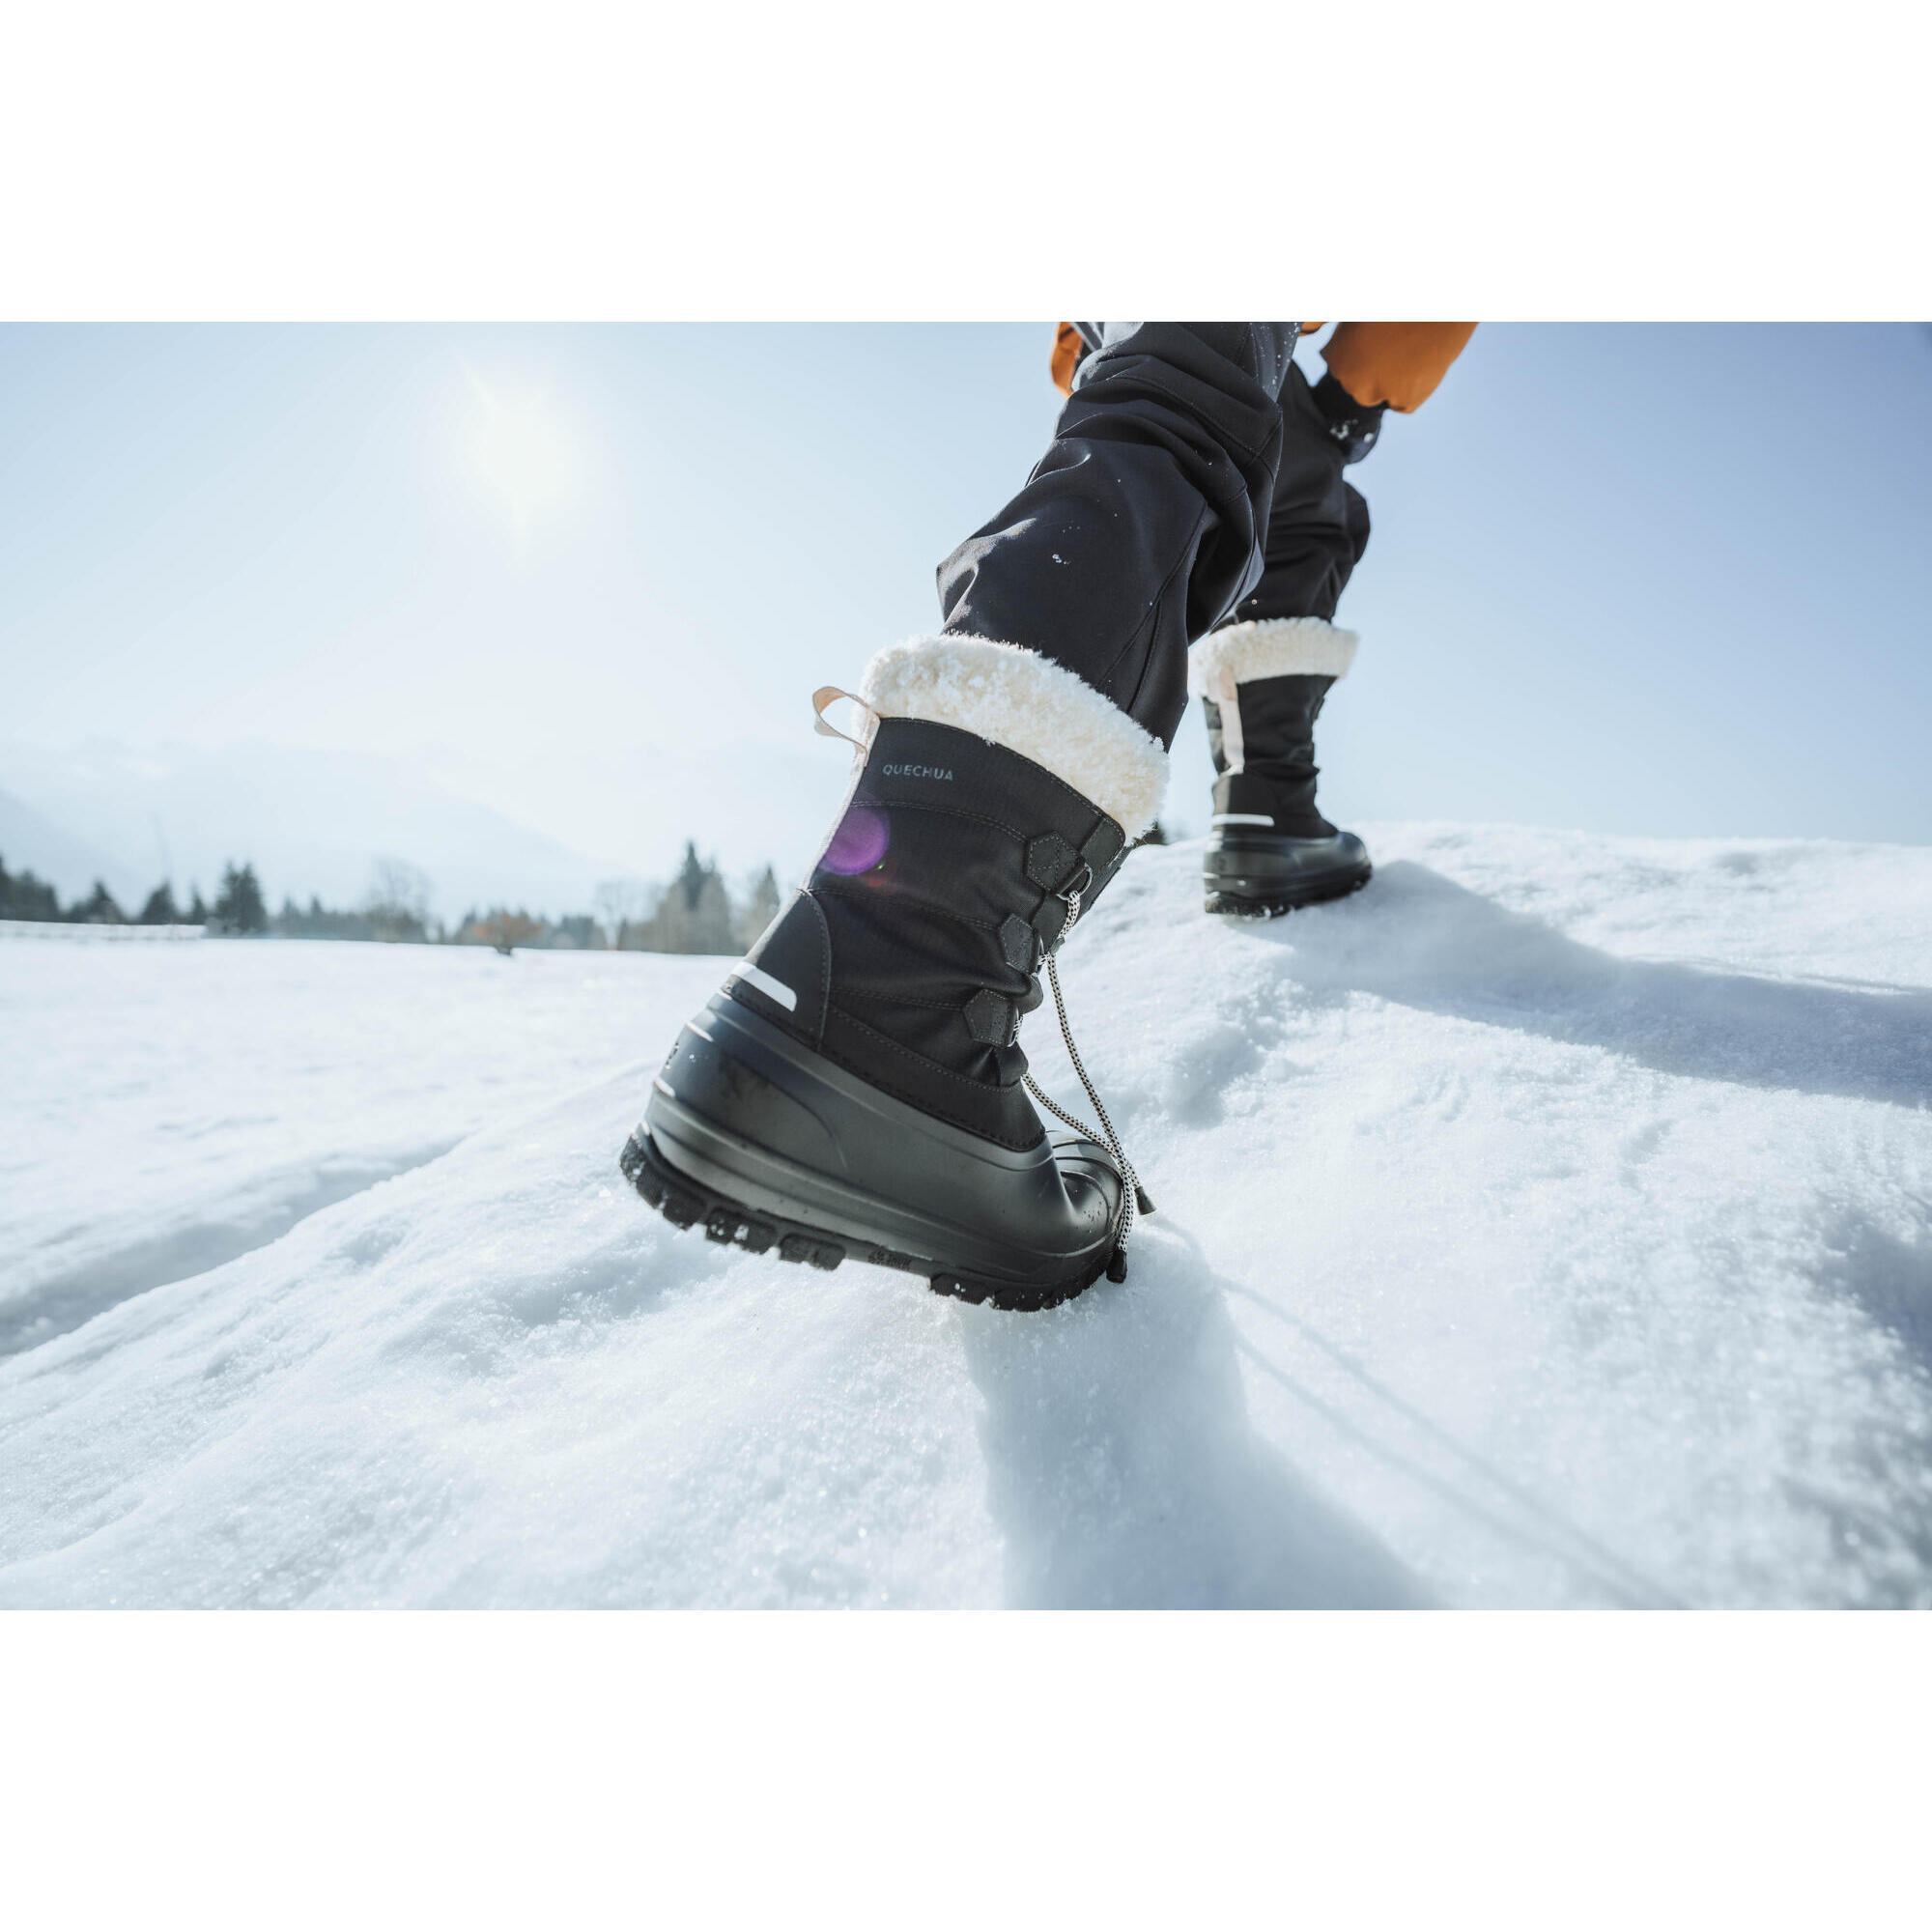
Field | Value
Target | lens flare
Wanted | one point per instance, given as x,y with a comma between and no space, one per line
859,844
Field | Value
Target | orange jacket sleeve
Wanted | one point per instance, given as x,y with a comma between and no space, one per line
1398,363
1065,355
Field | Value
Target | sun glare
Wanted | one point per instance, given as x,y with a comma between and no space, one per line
520,451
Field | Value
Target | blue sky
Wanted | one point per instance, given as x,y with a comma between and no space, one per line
1643,579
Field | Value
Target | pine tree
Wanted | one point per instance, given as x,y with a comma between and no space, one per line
693,876
760,907
239,908
695,914
97,908
25,896
197,912
160,909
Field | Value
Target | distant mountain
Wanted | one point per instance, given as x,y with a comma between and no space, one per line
312,823
750,802
29,842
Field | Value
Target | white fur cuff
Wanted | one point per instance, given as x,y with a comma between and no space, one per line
1270,647
1015,697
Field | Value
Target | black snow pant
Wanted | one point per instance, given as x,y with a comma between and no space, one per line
1194,479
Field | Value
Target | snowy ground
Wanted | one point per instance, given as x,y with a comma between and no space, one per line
1550,1224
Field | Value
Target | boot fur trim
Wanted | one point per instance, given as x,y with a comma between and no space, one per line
1268,648
1015,697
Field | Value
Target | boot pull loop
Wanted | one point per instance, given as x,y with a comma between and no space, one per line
830,694
1227,698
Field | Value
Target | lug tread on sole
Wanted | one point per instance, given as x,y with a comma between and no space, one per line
685,1204
1234,905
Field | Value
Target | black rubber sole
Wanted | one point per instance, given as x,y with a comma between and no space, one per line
686,1202
1241,906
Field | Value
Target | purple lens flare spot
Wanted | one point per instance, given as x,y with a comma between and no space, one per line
859,844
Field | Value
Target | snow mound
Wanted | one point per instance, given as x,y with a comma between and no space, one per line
1550,1224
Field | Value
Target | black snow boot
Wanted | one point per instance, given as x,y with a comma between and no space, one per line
856,1089
1261,685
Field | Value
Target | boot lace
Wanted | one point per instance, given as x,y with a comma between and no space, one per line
1133,1196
